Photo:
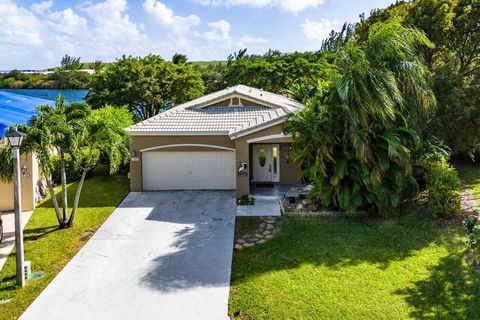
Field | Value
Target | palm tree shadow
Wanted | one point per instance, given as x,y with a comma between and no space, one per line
451,292
37,233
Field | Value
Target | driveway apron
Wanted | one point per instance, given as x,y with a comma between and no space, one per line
160,255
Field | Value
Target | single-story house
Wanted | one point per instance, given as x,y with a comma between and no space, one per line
226,140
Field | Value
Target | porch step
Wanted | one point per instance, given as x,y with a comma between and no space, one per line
265,206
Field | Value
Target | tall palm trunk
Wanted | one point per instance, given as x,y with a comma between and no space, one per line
54,200
64,187
77,197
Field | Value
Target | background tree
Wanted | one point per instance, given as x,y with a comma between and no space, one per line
68,75
212,75
356,134
179,58
452,25
146,85
275,71
97,65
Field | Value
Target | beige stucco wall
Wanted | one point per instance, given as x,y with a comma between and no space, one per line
138,143
28,182
288,172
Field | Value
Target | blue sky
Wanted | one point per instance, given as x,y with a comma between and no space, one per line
36,34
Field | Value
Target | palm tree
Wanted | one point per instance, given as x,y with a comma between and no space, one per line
57,129
104,135
72,132
179,58
355,135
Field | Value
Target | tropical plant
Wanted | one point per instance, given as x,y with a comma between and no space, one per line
97,65
452,25
179,58
103,135
72,131
354,138
70,63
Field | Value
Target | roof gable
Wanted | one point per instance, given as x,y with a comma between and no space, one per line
258,96
221,113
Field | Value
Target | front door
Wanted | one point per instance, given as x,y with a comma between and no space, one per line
266,163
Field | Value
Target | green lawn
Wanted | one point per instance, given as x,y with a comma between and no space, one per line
49,248
245,225
333,268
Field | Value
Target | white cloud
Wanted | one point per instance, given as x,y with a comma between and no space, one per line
67,22
319,30
41,7
248,41
223,28
113,33
39,35
294,6
164,16
219,31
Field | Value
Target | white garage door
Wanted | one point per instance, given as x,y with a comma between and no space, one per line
196,170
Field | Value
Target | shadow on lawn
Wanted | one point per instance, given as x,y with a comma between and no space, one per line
451,292
337,242
37,233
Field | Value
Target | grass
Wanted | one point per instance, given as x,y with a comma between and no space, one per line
208,63
245,225
48,248
332,268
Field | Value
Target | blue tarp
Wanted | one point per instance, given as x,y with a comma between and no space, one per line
17,109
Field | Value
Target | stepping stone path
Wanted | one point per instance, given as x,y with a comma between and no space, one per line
265,231
468,202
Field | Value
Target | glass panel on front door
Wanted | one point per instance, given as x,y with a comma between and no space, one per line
262,157
275,160
266,162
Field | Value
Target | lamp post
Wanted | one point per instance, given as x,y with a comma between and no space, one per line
15,139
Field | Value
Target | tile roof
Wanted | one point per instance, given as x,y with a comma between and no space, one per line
197,117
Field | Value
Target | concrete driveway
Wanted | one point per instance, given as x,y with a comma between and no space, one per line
160,255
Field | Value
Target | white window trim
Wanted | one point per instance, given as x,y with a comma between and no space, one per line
269,137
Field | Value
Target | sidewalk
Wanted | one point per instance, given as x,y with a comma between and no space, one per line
8,242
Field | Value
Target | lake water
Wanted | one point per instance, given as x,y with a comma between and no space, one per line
17,106
51,94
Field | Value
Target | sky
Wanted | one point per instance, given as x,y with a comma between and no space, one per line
36,34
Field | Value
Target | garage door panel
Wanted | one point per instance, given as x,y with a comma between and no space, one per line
195,170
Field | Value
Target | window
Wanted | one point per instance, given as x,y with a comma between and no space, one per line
275,160
262,157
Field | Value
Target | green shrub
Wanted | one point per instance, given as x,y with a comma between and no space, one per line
443,190
73,170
